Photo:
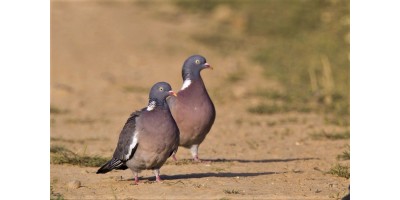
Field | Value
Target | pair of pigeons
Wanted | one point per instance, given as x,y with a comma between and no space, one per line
151,135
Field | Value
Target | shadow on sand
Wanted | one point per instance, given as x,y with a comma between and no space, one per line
205,175
220,174
222,160
213,174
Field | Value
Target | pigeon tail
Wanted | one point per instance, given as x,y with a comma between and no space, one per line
110,165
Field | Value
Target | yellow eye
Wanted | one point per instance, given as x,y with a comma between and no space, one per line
161,88
197,61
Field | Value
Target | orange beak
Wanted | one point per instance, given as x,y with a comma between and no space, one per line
172,93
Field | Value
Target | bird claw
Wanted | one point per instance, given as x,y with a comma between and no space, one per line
196,159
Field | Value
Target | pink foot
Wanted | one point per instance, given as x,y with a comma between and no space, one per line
136,182
197,159
157,174
158,179
174,157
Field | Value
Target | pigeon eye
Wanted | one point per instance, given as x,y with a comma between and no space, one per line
161,88
197,61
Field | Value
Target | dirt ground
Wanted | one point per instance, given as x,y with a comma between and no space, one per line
105,57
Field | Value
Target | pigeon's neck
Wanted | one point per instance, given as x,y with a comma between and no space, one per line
189,82
189,78
156,103
190,74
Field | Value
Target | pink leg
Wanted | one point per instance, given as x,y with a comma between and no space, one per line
136,179
157,173
158,179
174,157
196,158
194,150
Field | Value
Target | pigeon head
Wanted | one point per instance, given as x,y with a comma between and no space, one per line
158,93
192,67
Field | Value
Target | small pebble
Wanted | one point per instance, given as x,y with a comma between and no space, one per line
74,184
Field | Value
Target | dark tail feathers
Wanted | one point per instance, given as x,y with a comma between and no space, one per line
110,165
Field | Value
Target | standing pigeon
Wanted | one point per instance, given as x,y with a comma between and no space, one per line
148,138
192,107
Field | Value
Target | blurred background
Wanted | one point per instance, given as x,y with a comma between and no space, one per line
271,58
280,84
303,46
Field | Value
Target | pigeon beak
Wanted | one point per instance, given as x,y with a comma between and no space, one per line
206,65
172,93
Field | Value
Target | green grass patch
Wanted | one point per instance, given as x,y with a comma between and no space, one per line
344,156
180,162
271,123
264,108
239,121
340,170
80,121
55,110
203,6
267,109
55,196
135,89
62,155
289,120
338,120
331,136
218,169
232,191
58,149
236,76
80,141
307,50
273,95
304,45
220,41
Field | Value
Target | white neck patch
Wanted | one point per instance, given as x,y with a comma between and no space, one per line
151,106
186,84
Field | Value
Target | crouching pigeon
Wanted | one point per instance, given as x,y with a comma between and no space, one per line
192,107
148,138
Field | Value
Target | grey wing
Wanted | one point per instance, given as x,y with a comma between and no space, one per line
126,147
128,139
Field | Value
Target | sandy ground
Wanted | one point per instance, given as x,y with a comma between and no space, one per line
105,57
